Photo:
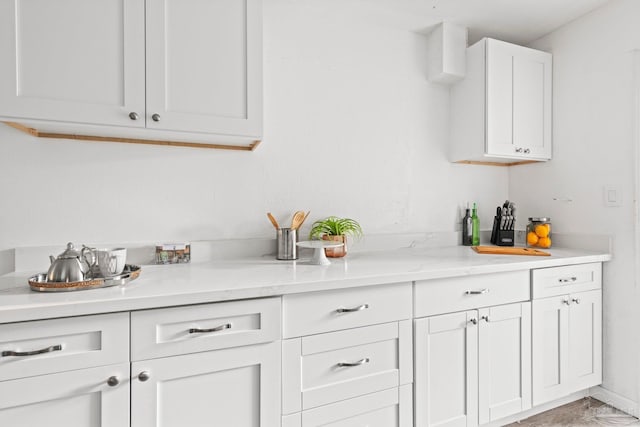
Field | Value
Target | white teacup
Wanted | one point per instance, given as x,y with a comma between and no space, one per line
111,261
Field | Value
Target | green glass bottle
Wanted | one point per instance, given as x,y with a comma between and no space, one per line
475,232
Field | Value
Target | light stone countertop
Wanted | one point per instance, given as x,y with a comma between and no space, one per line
253,277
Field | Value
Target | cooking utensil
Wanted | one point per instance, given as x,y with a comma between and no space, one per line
72,265
273,220
496,225
508,251
305,218
297,220
513,217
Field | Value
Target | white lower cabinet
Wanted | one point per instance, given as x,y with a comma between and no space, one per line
92,397
567,330
567,344
188,366
237,387
348,359
56,367
472,367
480,351
207,364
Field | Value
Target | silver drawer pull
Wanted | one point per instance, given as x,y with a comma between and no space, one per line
32,353
567,279
480,292
576,300
351,310
216,329
473,321
485,318
350,365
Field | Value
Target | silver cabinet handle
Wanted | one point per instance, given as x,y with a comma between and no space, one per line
566,301
576,300
473,320
155,117
352,364
144,376
351,310
113,381
133,115
518,150
527,151
480,292
216,329
32,353
485,318
567,279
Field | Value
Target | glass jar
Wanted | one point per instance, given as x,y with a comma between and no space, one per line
539,233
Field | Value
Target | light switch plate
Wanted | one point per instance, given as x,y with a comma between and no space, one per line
612,196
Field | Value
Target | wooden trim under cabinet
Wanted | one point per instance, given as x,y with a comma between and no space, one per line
35,132
477,162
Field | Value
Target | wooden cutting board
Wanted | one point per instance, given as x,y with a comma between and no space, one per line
502,250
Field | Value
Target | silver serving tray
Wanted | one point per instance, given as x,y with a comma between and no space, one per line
39,281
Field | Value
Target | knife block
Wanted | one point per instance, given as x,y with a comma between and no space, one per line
501,237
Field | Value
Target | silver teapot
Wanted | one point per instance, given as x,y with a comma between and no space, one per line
72,265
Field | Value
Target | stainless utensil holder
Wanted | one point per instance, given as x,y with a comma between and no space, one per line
287,239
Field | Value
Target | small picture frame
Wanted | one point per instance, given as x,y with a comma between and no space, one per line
173,253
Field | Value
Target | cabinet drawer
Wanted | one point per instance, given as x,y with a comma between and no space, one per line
388,408
317,312
327,368
553,281
80,398
56,345
440,296
180,330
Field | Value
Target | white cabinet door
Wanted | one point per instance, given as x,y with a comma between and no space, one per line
549,337
204,66
446,370
237,387
585,340
504,360
73,61
567,344
81,398
518,101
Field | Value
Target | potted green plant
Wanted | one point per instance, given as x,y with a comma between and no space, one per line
335,229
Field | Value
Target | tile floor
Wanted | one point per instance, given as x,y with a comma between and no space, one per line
581,413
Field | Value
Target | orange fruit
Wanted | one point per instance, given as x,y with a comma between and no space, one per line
532,238
544,242
542,230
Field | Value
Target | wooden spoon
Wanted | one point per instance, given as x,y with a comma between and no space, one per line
304,219
273,221
298,219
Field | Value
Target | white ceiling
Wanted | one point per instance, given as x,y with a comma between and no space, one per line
517,21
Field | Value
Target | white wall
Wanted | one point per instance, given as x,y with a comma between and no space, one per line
593,131
352,128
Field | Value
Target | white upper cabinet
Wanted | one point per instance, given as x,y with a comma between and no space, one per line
501,112
174,69
204,66
72,61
